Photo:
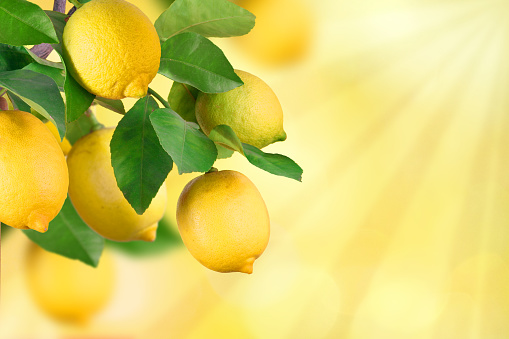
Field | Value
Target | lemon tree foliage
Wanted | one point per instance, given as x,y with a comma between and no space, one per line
191,150
140,163
24,23
182,99
69,236
149,139
39,91
210,18
273,163
13,57
194,60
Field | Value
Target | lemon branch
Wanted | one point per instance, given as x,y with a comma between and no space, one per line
43,50
158,97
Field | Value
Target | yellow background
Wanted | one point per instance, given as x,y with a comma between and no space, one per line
398,112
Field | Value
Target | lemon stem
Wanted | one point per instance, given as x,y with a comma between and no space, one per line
212,170
158,97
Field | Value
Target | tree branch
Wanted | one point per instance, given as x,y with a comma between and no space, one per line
43,50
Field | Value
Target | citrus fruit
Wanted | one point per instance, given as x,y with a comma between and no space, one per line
67,289
252,110
98,200
33,172
65,145
283,31
113,49
223,221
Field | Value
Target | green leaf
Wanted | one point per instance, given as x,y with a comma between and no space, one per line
223,152
13,57
18,103
111,104
5,230
224,135
77,99
24,23
140,163
189,148
194,60
273,163
182,99
79,128
211,18
54,73
69,236
44,62
166,239
39,91
58,21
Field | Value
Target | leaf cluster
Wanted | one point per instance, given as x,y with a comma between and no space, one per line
149,139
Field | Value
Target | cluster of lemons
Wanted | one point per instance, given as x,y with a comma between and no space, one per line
114,52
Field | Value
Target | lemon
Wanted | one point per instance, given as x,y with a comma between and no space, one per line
283,31
98,200
252,110
67,289
65,145
33,172
223,221
113,49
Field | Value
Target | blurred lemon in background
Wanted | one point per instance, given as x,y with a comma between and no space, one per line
66,289
223,221
98,200
282,34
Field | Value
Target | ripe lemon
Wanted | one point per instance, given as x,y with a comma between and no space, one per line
283,31
113,48
33,172
252,110
65,145
98,200
223,221
67,289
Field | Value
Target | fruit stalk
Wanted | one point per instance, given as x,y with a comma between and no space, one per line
158,97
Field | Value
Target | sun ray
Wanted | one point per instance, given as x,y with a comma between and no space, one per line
372,131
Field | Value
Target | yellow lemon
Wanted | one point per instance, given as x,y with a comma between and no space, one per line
113,49
98,200
67,289
282,34
252,110
33,172
65,145
223,221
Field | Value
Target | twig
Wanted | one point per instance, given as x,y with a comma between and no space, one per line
43,50
158,97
